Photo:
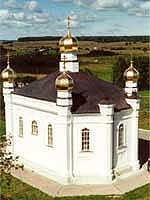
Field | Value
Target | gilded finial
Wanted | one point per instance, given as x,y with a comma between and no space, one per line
131,74
68,43
8,74
8,62
68,26
68,22
131,62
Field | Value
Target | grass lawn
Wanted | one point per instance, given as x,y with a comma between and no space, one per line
21,191
2,127
145,93
144,119
101,67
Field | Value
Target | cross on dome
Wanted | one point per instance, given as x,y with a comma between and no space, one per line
131,61
68,22
68,26
131,74
8,60
68,43
8,74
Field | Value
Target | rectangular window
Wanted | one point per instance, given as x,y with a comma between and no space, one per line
121,136
85,140
34,128
20,127
50,135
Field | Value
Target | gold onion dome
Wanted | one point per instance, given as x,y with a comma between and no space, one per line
131,74
8,73
64,82
68,43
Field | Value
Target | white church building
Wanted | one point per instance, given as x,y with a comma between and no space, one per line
72,127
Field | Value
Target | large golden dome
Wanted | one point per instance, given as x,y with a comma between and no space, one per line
131,74
68,43
64,82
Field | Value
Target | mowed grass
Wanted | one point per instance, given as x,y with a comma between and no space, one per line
18,190
144,119
101,67
2,127
145,93
100,71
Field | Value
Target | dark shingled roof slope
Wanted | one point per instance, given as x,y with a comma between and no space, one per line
88,92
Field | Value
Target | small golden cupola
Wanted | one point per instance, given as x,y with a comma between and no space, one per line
131,74
8,74
64,82
68,43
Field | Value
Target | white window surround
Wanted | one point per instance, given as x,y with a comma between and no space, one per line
20,127
34,127
49,135
85,140
122,146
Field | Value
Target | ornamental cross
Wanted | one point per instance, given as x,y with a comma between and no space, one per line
8,56
131,61
68,22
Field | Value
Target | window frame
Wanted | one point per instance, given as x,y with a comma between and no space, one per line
50,135
85,140
20,127
122,144
34,127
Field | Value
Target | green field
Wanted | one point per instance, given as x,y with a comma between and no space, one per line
101,67
144,119
2,127
145,93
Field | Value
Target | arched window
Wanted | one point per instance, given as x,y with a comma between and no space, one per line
85,140
50,135
34,128
121,136
20,127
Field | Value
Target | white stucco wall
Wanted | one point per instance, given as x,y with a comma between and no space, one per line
65,162
94,166
34,150
122,157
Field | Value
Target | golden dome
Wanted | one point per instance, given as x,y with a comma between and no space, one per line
8,73
131,74
64,82
68,43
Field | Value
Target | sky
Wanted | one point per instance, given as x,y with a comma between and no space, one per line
23,18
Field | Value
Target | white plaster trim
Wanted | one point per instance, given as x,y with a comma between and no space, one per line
32,103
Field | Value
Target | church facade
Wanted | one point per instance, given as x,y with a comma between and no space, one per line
72,127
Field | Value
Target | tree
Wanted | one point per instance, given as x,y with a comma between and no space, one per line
7,163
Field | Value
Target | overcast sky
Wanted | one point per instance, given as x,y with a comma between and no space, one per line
21,18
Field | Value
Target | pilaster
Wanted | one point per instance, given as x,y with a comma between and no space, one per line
8,88
107,111
133,156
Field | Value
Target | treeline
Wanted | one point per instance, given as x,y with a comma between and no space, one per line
34,64
91,38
